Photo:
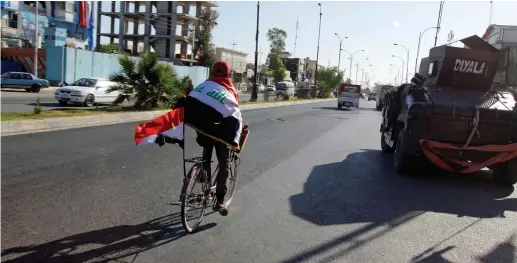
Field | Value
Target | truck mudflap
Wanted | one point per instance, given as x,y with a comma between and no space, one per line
502,153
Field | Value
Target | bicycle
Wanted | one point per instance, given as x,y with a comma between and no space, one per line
207,182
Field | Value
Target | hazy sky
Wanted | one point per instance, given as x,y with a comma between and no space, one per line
374,26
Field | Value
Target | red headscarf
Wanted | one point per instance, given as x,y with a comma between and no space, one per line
221,76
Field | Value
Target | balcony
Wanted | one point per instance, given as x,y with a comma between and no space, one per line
65,16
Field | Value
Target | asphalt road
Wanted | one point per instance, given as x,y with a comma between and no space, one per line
313,187
22,101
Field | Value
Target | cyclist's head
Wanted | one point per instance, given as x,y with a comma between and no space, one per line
221,69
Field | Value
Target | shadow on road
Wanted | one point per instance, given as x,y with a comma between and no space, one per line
104,245
364,188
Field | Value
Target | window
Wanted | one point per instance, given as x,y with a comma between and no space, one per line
16,76
6,75
26,76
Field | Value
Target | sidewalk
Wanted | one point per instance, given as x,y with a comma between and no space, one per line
16,127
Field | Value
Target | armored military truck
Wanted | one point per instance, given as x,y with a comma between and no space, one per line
450,117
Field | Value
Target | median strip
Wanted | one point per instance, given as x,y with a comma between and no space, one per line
49,120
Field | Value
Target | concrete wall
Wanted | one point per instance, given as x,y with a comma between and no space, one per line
83,64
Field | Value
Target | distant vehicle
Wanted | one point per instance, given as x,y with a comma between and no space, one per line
284,87
381,94
86,91
372,96
271,88
22,80
348,95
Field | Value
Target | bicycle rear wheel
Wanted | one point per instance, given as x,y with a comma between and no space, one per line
231,183
194,198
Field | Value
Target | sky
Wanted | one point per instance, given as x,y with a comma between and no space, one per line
374,26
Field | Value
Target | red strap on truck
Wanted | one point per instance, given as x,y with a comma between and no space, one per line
504,153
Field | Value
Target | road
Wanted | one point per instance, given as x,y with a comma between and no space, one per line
313,187
21,101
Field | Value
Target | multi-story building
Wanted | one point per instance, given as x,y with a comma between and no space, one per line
237,61
167,27
504,38
19,22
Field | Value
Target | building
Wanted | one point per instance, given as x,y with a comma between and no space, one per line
19,19
296,67
163,27
504,38
237,61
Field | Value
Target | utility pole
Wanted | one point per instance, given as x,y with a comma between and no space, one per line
36,41
318,52
193,30
356,72
254,90
490,17
295,37
232,64
439,22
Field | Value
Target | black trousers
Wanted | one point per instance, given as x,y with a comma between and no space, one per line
223,157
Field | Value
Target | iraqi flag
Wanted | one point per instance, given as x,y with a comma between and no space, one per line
166,128
210,109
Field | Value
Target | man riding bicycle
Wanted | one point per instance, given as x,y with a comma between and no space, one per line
220,76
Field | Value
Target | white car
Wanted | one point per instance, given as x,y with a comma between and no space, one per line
86,91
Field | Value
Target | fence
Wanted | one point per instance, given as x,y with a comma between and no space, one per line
72,64
506,76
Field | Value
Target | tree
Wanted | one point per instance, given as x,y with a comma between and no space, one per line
147,81
276,37
208,20
277,68
328,80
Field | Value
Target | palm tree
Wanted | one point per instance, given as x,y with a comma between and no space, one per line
148,82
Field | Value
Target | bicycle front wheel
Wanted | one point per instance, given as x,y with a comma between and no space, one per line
194,198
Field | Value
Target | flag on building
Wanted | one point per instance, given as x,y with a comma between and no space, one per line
91,27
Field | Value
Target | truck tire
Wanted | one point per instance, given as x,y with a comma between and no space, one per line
506,173
385,148
404,163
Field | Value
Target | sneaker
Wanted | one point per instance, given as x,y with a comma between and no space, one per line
221,209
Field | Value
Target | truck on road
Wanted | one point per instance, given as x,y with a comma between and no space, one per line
348,95
450,117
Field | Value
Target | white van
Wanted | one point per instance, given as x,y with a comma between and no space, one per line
284,87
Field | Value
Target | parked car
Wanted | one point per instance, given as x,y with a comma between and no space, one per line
372,96
86,91
270,88
284,87
22,80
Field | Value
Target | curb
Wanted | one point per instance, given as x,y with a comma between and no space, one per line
54,124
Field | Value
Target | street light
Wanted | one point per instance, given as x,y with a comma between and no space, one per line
340,42
351,61
407,59
402,71
398,72
318,52
418,49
